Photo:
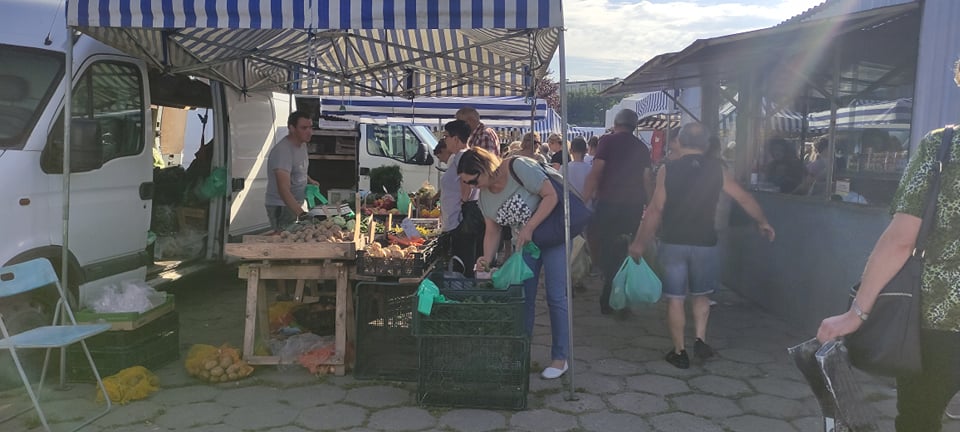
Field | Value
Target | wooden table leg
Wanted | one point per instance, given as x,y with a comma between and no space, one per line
341,324
249,324
263,314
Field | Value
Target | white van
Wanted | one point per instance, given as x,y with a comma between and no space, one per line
114,186
343,152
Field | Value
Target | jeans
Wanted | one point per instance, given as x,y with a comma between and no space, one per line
554,261
280,217
685,266
612,227
921,399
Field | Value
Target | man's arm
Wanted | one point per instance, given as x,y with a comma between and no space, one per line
593,179
283,187
648,182
651,218
750,205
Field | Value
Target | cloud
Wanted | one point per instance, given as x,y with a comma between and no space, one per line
607,39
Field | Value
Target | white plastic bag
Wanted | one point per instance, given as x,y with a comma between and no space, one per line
130,296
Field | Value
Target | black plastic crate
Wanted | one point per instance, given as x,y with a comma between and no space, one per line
386,348
150,349
476,312
397,267
472,372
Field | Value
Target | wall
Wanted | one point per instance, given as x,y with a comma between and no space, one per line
805,274
936,95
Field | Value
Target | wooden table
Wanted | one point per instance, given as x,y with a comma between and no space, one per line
300,262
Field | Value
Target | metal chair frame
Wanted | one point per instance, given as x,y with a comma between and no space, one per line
28,276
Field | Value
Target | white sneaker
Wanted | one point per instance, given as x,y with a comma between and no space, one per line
553,373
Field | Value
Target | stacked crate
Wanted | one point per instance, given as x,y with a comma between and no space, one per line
386,348
474,351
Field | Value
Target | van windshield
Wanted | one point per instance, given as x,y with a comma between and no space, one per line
428,138
28,77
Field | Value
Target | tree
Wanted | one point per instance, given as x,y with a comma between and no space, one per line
588,108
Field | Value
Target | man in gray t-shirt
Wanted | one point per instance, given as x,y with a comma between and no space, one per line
287,177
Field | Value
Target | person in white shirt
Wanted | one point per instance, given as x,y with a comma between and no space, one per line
578,169
591,149
460,215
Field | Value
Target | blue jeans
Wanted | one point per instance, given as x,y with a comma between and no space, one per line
554,260
693,269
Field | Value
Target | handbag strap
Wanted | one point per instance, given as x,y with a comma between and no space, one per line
930,210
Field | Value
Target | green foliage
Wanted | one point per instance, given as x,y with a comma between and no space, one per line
388,177
588,108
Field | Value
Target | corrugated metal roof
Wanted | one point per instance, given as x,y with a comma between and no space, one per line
832,8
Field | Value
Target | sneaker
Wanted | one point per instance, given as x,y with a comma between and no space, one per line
680,361
701,350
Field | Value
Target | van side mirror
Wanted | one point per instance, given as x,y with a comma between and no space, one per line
86,148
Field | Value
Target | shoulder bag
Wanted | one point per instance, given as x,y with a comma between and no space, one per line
888,343
551,232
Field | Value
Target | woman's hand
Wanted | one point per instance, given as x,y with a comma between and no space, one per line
837,326
525,235
482,265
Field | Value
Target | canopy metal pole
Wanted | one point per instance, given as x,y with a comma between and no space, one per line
65,249
565,152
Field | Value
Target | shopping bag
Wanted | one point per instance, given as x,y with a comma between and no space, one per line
515,270
580,261
427,294
634,284
214,185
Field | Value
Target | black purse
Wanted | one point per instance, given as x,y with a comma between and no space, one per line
888,343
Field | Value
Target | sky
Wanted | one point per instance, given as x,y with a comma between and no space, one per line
612,38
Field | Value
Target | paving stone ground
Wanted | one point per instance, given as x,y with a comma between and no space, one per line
619,378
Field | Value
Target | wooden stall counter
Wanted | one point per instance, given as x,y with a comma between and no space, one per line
267,260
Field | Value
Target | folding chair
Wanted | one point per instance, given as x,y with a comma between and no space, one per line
32,275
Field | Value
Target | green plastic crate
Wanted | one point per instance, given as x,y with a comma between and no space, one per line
474,372
151,346
386,348
476,312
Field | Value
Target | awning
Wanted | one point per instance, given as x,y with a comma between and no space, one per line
783,120
727,56
895,114
490,109
660,121
381,47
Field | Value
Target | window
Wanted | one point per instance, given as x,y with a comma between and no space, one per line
111,95
393,141
28,79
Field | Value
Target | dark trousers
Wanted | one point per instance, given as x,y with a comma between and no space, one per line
467,247
613,227
921,399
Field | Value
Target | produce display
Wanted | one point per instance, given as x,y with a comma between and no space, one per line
214,365
333,230
402,257
382,206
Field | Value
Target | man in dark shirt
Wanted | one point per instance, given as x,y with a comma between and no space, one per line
619,183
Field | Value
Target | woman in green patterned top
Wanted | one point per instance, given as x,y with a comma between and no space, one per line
922,398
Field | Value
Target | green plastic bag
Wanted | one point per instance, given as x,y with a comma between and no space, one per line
403,201
214,185
427,295
515,270
314,196
634,284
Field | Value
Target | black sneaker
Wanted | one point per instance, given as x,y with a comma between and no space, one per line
680,361
701,350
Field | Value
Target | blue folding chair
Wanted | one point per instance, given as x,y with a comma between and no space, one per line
38,273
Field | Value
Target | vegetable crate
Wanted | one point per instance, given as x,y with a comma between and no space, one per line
385,347
474,372
151,346
414,266
473,311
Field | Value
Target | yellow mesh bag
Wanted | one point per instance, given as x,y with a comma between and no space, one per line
213,364
130,384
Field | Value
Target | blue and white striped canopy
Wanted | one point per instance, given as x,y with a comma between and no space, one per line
337,47
490,109
896,113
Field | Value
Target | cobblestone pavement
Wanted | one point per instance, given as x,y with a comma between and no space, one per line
621,381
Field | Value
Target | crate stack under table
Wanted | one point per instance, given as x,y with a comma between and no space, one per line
474,352
384,291
266,260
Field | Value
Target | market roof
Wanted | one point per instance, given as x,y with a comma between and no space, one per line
374,47
728,55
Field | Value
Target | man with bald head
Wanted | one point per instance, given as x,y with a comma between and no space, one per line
480,135
619,181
